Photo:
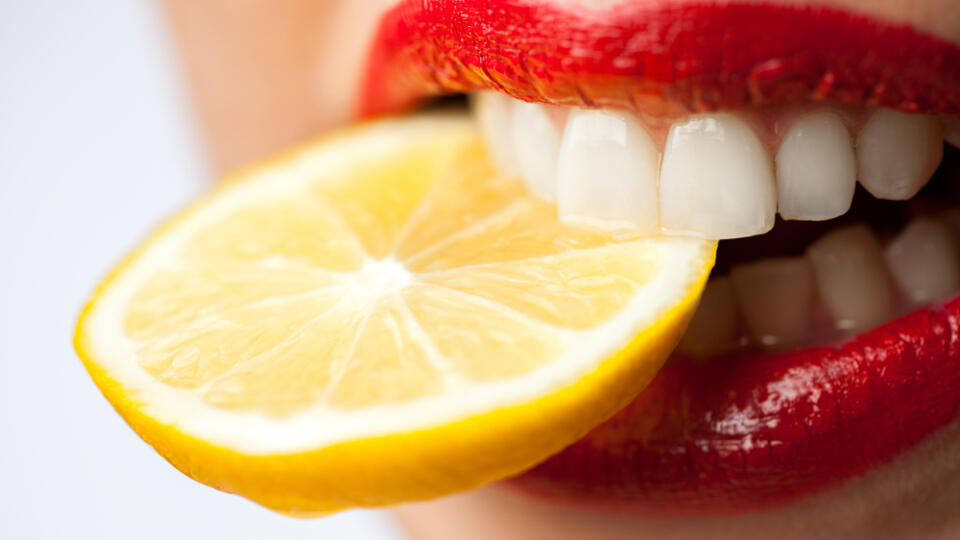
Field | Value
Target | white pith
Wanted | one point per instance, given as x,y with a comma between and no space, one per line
721,176
320,425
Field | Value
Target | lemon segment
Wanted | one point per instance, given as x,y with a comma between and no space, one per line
380,317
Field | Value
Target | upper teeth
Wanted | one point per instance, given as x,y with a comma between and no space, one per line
607,170
536,144
714,177
717,180
816,168
898,153
495,120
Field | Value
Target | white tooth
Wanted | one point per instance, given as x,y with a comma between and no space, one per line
852,278
951,131
713,329
607,171
925,261
898,153
775,297
494,113
717,179
816,168
536,143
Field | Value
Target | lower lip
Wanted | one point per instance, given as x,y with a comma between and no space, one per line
748,433
656,56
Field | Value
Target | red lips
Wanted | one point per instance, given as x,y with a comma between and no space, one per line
747,433
740,433
657,56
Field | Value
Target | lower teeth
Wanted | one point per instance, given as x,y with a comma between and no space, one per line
847,282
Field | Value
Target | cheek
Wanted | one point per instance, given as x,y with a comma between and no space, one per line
266,77
342,47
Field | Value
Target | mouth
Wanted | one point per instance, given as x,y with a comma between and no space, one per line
827,340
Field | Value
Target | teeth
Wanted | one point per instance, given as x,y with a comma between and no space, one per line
951,131
713,329
951,218
898,153
775,297
925,261
536,143
607,171
816,169
852,278
493,112
717,180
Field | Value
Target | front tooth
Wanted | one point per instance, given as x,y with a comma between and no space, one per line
607,171
816,168
775,297
717,179
713,329
898,153
536,143
494,116
852,278
925,261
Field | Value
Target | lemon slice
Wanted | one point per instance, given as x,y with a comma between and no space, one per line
378,318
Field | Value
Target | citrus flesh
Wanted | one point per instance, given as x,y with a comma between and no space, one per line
377,318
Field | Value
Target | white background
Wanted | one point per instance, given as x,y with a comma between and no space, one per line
96,146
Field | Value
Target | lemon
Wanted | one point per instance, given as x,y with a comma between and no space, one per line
380,317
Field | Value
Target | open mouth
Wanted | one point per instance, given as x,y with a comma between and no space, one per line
826,342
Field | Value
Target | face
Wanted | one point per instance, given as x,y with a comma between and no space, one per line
816,391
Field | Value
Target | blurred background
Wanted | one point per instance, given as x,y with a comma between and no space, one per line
97,145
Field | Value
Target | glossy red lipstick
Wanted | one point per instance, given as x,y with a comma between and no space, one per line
656,56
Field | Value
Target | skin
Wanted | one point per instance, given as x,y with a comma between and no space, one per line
267,75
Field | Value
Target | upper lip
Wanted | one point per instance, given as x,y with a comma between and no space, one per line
657,56
725,436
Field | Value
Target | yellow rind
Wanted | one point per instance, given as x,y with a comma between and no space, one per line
417,465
